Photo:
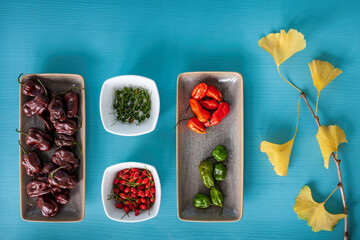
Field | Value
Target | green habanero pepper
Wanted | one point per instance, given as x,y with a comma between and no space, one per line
220,172
220,153
202,201
216,195
206,169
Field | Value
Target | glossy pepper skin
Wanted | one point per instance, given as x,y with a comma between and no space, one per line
31,163
206,169
62,179
37,105
61,195
72,102
199,91
220,153
220,172
32,88
210,104
48,206
202,201
38,187
63,140
214,93
67,127
40,140
56,108
65,158
217,196
48,168
200,113
46,120
221,112
195,125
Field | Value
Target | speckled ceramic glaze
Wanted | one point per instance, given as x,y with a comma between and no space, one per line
73,211
192,148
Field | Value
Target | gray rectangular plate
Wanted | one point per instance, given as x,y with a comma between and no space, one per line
73,211
192,148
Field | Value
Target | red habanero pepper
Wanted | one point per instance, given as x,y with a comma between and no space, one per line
210,104
195,125
214,93
200,113
218,115
199,91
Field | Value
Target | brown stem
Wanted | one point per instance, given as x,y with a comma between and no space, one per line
337,163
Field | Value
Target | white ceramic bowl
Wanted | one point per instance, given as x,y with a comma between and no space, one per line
109,205
107,111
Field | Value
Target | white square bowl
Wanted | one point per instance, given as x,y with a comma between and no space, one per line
107,111
109,205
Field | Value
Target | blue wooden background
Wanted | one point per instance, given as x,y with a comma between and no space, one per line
161,39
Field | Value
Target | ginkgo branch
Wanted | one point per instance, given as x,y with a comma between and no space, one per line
337,163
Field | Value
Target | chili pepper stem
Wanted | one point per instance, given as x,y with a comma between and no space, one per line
52,173
76,143
19,78
80,124
28,200
71,89
42,85
221,211
22,148
25,133
179,122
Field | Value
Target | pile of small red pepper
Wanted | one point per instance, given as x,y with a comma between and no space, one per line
134,190
201,107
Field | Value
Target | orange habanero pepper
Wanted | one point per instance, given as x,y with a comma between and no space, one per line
200,113
195,125
214,93
199,91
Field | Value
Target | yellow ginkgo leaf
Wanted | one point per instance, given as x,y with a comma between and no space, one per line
283,45
329,138
322,73
278,154
315,213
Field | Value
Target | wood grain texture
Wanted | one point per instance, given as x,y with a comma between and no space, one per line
161,39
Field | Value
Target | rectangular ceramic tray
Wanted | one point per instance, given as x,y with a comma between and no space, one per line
73,211
192,148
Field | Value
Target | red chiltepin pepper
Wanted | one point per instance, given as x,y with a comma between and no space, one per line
195,125
210,104
199,91
214,93
222,110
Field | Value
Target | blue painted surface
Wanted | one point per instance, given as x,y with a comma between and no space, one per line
160,39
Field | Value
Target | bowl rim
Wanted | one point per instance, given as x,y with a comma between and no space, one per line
120,166
154,96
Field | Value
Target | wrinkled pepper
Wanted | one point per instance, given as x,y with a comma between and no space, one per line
220,153
217,196
31,163
199,91
200,113
202,201
206,169
210,104
68,126
214,93
221,112
63,140
65,158
37,105
220,172
32,88
72,102
56,107
195,125
40,140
